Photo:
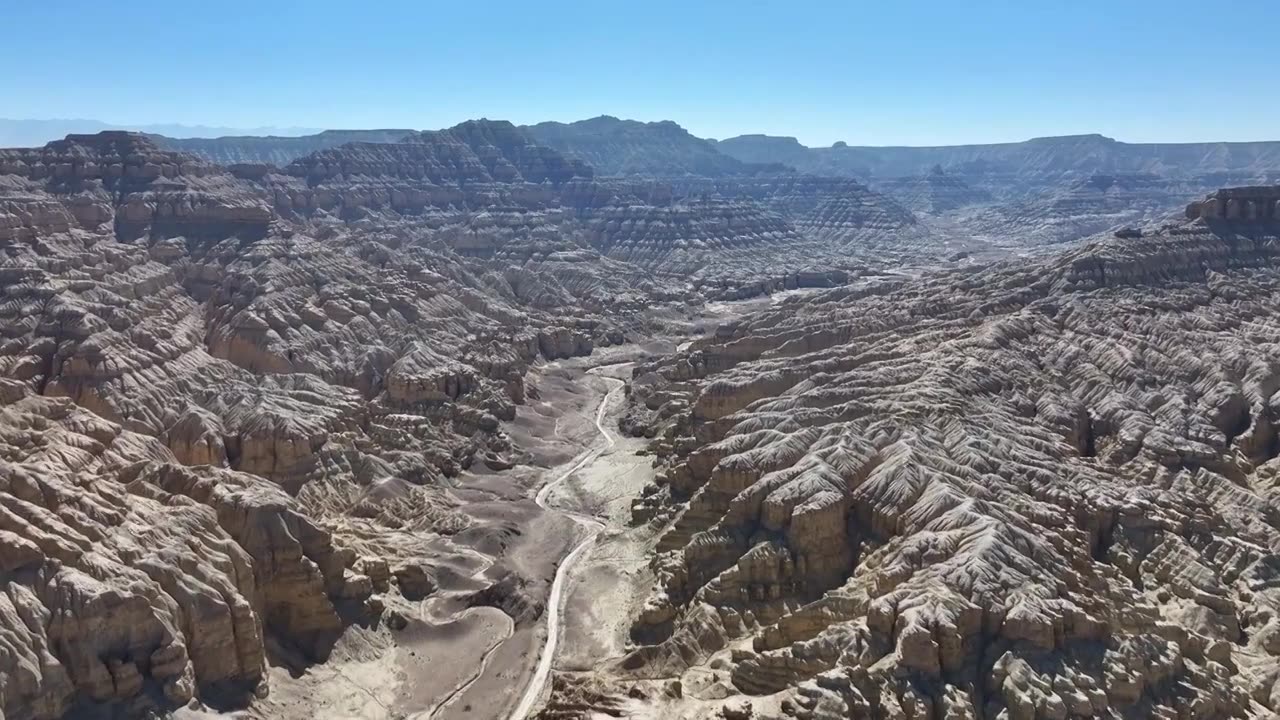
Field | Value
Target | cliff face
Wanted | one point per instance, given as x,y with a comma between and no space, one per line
124,180
1244,204
1039,490
126,570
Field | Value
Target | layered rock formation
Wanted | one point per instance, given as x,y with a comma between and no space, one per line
990,198
831,207
134,582
845,226
1041,490
718,195
123,180
1245,204
708,236
741,236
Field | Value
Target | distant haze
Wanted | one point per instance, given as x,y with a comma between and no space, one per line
920,72
33,133
30,133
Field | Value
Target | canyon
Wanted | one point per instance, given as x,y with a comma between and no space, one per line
603,419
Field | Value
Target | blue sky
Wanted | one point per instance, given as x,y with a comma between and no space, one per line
895,72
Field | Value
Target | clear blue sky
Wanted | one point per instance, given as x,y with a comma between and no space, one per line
893,72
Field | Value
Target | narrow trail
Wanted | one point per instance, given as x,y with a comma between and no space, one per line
484,665
427,613
538,682
533,691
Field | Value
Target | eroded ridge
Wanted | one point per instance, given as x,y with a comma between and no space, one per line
1037,490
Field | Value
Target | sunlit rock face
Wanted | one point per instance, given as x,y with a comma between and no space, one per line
1039,490
125,569
123,180
1236,205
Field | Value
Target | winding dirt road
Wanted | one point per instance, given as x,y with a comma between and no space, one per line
555,603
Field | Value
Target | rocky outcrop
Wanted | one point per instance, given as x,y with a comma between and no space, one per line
22,219
125,570
125,179
1010,493
1243,204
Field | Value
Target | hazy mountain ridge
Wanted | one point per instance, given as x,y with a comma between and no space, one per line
35,132
272,149
614,146
630,147
1049,156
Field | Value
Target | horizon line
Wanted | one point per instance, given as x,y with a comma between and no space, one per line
297,131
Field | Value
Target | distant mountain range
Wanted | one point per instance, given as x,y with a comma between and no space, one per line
32,133
612,146
1015,165
628,147
273,149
